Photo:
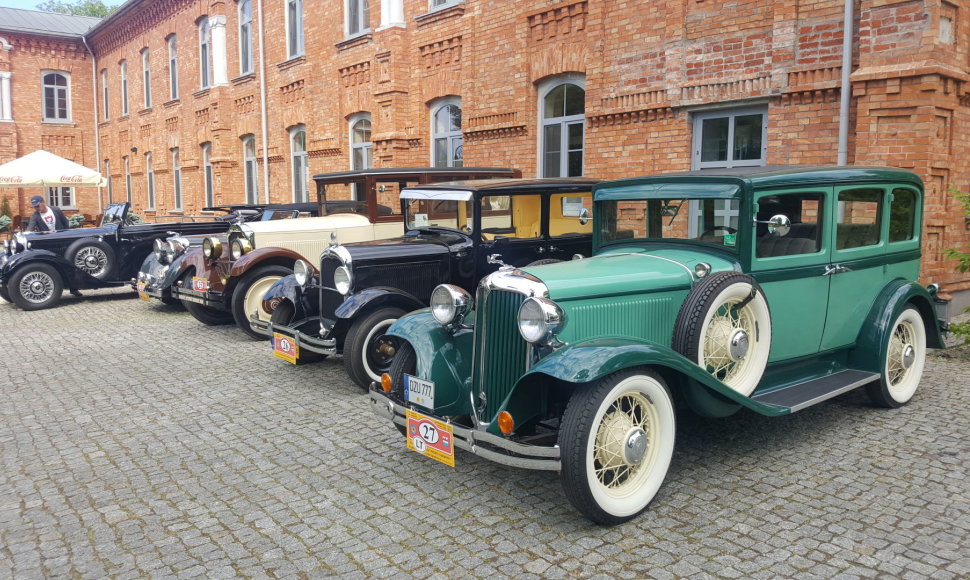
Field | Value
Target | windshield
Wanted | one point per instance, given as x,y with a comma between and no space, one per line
112,215
713,221
423,213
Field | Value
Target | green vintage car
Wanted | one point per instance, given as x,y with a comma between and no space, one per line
767,288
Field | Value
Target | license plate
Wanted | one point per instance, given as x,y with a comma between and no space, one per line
200,284
419,391
140,287
285,348
431,438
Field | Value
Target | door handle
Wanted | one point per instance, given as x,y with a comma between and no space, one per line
835,269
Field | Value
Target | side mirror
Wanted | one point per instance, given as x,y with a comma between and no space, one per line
584,216
778,224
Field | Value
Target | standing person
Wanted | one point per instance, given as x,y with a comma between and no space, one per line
46,219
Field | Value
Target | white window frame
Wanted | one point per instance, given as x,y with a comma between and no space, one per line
66,89
127,162
58,193
697,120
367,147
149,180
564,122
173,68
123,74
208,180
295,41
434,5
245,37
250,168
362,24
146,76
176,179
450,137
205,54
104,94
107,176
299,166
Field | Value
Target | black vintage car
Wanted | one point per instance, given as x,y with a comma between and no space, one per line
457,233
36,267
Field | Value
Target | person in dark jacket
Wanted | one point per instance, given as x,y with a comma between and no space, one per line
46,218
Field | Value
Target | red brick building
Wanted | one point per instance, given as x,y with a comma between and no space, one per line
247,99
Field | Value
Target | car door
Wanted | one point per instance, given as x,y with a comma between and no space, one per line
569,230
511,226
791,268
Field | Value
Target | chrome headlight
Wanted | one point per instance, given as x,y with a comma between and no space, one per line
343,280
161,250
450,304
212,248
239,248
540,320
302,272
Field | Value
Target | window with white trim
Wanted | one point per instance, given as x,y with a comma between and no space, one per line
176,179
146,77
123,72
62,197
294,28
245,37
250,168
207,178
733,138
358,17
173,68
149,181
107,176
439,4
563,117
127,178
104,93
299,158
57,97
446,137
361,148
205,44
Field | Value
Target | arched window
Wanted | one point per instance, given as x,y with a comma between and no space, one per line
250,168
127,178
205,39
146,77
360,148
173,68
294,28
245,37
446,139
149,181
207,176
57,102
563,114
104,93
299,157
123,72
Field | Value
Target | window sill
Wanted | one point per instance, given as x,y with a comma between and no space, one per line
144,112
243,79
204,91
171,103
443,13
56,122
356,40
291,62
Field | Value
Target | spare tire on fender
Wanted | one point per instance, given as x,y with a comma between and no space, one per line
724,326
93,257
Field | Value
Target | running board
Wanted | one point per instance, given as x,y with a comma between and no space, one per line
801,395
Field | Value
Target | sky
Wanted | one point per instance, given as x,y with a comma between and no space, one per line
26,4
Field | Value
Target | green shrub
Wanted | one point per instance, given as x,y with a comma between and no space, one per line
961,329
75,220
5,207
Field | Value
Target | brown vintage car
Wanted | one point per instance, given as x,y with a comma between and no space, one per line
224,281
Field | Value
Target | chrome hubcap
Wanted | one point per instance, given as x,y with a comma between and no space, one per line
739,345
909,356
36,287
636,446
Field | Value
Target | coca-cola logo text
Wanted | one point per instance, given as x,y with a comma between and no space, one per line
71,179
11,179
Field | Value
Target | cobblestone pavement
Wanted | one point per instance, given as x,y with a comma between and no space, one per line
138,443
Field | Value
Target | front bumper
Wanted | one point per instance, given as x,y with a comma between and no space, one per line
300,334
494,448
211,299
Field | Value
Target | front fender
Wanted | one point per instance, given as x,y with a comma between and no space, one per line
261,255
870,351
73,278
306,301
376,297
443,356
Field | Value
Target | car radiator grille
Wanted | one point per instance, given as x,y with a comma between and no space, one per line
500,352
330,299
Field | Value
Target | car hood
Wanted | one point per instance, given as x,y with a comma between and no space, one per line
43,239
330,222
624,271
413,246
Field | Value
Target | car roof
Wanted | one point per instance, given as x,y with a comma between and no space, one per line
506,186
392,172
720,183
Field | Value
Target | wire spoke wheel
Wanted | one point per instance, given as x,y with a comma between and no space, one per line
36,287
905,358
630,418
91,260
727,324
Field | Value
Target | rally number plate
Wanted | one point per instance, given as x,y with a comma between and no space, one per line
200,284
431,438
285,348
140,287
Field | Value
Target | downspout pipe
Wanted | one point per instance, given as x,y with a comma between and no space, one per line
262,103
97,128
846,97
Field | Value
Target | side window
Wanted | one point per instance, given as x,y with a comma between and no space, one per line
805,210
859,218
565,210
902,215
518,216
